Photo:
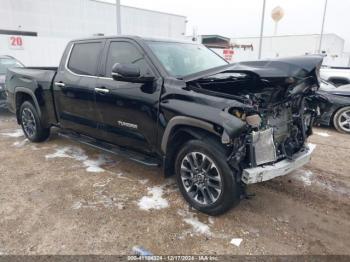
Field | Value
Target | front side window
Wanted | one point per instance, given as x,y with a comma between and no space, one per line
180,59
8,63
124,53
84,58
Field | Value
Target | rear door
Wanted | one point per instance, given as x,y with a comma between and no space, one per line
74,87
128,110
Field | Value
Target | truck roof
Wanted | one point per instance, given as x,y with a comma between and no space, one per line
135,38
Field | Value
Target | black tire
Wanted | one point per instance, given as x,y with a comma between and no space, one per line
340,117
31,124
230,189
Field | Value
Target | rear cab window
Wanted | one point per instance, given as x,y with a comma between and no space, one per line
84,58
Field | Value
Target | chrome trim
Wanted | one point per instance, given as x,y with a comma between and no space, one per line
70,71
115,74
60,84
105,78
102,90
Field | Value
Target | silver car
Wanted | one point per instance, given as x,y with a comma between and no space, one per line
6,62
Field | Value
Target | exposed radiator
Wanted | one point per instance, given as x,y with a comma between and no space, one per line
263,147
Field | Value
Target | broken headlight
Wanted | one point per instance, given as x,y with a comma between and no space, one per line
254,120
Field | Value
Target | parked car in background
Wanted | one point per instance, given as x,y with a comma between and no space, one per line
335,110
338,76
6,62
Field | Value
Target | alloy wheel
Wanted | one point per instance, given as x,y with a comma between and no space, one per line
344,121
201,178
28,121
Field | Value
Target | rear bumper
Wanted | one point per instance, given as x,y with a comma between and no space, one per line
281,168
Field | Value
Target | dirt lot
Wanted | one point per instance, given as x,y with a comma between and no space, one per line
60,197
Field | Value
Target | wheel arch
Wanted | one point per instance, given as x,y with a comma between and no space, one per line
182,129
185,122
23,94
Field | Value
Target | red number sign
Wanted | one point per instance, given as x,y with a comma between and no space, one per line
228,54
16,42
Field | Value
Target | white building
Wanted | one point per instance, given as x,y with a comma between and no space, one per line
247,48
292,45
36,31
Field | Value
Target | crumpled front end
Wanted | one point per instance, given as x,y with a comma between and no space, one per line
274,142
278,117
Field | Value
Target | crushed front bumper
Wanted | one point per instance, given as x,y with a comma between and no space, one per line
281,168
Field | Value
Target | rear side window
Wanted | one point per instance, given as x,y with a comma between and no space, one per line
124,53
84,58
339,81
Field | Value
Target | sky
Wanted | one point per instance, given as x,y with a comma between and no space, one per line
242,18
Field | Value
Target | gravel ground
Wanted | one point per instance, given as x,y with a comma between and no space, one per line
61,197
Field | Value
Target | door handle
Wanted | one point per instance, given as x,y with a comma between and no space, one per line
60,84
102,90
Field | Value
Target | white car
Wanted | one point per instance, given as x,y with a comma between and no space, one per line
336,75
6,62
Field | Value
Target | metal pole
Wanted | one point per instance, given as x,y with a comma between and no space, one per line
276,29
323,21
119,25
262,28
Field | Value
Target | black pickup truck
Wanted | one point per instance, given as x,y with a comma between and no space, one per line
217,126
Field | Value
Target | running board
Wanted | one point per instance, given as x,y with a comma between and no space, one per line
113,149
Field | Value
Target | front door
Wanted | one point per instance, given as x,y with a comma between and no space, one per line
75,88
128,110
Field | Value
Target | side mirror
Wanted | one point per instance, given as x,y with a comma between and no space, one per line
129,73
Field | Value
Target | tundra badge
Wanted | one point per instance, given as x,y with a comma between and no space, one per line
129,125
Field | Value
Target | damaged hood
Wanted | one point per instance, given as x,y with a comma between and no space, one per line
296,67
260,83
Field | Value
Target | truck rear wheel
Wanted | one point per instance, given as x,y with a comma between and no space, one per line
31,124
204,177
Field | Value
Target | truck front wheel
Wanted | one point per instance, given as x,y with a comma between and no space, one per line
31,124
204,177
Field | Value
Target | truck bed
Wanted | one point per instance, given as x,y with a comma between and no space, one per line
36,82
45,74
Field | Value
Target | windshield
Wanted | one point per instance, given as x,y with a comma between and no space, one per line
180,59
7,63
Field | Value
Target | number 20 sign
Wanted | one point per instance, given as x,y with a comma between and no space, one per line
16,42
